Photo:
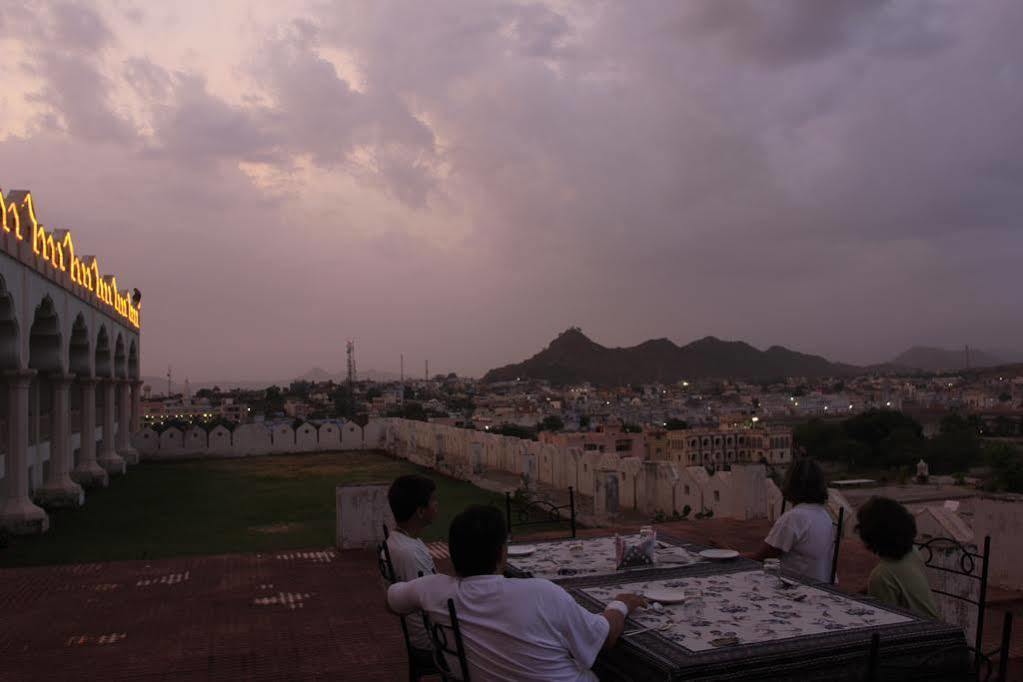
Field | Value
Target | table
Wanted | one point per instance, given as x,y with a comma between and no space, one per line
811,631
555,560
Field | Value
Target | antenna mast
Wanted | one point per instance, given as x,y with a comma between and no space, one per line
168,381
350,351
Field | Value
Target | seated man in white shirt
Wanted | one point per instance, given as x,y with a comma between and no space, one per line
413,501
804,536
513,629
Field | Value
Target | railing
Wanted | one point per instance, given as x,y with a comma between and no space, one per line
537,512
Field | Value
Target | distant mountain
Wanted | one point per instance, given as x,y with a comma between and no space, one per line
574,358
938,359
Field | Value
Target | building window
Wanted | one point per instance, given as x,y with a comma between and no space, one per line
717,496
685,489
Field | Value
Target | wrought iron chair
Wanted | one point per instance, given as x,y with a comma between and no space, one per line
971,565
448,647
539,512
933,666
839,527
420,662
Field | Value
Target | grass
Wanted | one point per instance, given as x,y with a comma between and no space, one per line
258,504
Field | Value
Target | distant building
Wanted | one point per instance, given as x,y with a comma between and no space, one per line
238,413
296,409
604,439
719,446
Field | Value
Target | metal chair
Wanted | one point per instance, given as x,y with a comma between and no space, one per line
839,526
420,662
443,635
538,512
972,565
933,666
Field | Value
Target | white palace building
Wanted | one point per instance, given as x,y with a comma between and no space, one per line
69,365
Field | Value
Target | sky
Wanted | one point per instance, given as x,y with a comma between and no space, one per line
462,180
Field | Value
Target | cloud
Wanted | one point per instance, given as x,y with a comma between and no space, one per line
463,179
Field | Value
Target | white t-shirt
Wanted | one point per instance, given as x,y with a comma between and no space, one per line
806,535
409,556
514,630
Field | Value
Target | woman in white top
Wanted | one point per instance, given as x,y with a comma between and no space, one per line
804,536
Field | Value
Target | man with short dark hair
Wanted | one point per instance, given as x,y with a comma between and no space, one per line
413,502
513,629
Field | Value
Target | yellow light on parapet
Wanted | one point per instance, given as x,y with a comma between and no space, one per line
59,252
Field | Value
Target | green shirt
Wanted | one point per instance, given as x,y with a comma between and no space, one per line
903,583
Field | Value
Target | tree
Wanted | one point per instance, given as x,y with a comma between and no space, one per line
584,421
410,410
873,426
515,431
551,423
274,400
300,388
1006,462
954,451
676,424
344,405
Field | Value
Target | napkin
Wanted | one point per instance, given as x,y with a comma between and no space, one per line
641,553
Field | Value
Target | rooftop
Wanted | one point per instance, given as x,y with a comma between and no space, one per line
294,614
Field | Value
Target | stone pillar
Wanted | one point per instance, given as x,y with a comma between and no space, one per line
108,457
88,473
18,515
136,406
59,490
124,404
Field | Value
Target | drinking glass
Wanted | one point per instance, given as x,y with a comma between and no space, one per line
772,571
692,608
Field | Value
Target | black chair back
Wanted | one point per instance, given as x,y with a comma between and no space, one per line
529,512
448,647
930,667
969,564
417,668
839,527
874,660
1003,652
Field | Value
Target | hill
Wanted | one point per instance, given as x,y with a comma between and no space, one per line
939,359
573,358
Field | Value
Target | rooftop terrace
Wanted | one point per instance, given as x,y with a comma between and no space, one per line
268,613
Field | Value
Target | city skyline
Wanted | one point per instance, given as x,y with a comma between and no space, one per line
462,181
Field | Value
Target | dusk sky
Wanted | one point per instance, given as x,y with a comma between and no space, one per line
463,180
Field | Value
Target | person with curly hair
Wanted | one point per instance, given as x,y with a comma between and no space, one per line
888,530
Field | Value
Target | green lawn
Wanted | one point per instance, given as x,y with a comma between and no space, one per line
163,509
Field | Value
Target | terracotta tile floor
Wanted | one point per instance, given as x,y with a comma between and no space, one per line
286,616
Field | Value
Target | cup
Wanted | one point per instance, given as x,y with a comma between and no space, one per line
692,607
772,571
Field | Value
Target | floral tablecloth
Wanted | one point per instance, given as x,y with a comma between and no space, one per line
746,608
556,560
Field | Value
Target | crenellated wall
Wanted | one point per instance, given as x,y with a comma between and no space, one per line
627,483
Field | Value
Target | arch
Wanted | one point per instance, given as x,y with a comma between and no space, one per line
103,365
78,349
120,358
133,360
44,345
10,357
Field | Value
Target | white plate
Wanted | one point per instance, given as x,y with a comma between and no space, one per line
520,550
719,554
663,596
